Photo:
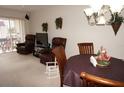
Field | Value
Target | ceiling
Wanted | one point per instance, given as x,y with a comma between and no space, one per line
29,8
23,8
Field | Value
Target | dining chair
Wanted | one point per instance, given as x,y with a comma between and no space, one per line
89,80
86,48
61,60
48,56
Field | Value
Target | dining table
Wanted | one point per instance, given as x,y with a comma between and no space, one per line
81,63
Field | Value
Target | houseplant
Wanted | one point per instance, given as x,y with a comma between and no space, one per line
116,21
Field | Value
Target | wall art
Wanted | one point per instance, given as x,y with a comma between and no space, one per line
45,27
58,23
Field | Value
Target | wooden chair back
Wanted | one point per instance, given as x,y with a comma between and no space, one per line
86,48
90,80
58,41
61,60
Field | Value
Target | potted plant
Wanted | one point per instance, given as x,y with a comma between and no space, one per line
116,22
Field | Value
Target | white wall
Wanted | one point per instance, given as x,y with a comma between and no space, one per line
76,29
11,13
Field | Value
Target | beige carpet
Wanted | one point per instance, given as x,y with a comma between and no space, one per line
23,71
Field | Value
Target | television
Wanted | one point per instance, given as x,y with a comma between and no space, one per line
42,40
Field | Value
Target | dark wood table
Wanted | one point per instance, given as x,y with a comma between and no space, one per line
78,63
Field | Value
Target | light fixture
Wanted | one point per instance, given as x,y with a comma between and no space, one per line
103,14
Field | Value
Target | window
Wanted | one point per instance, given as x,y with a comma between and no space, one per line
12,31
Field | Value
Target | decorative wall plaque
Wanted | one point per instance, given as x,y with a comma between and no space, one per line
45,27
58,23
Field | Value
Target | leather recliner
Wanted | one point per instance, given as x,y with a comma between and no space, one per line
28,46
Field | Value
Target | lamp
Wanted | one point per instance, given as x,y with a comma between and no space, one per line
103,14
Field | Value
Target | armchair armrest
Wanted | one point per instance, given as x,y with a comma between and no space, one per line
20,44
100,80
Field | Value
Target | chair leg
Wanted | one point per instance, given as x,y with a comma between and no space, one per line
61,85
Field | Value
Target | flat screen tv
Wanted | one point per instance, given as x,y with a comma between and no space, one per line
42,39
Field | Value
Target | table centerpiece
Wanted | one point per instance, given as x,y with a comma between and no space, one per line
102,58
